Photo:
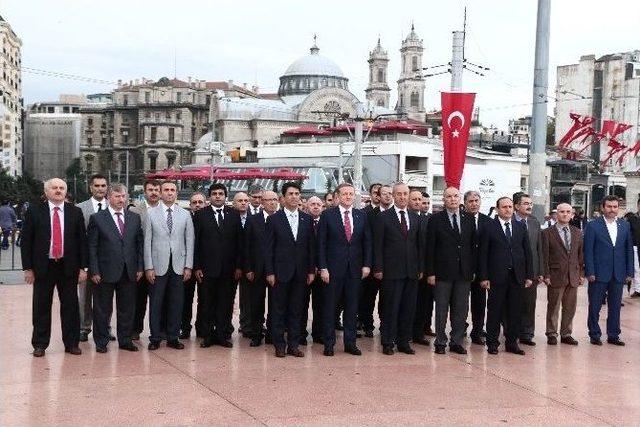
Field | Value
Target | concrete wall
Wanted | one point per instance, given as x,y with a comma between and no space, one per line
51,143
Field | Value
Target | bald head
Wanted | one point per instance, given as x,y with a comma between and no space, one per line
564,213
56,190
314,206
451,199
241,202
269,202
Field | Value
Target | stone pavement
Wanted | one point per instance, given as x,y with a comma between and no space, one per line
561,385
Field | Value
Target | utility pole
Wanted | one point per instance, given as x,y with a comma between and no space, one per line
357,153
127,170
537,158
457,61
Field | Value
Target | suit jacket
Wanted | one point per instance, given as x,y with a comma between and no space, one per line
337,254
605,259
218,250
109,252
535,240
87,209
36,240
160,244
450,255
141,209
255,244
496,251
395,256
562,267
287,257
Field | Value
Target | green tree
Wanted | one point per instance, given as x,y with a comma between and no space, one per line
20,189
76,180
551,131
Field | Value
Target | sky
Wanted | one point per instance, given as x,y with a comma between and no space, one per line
254,42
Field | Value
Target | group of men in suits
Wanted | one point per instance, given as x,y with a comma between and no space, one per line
336,256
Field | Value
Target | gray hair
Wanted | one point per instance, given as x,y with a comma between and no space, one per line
116,187
47,183
471,193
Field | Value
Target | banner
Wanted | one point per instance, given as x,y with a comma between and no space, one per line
457,109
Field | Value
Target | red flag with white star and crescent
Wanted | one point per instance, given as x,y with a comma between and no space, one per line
457,109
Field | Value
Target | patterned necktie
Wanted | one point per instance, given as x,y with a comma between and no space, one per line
120,223
567,245
507,231
169,220
454,223
56,247
347,226
403,224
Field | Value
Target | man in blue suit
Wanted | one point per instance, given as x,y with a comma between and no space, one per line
289,267
608,259
344,259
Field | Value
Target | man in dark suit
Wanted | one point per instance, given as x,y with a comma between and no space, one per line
398,264
563,269
506,270
290,267
315,291
608,261
241,205
382,195
254,264
472,202
523,205
197,201
218,264
424,298
116,263
450,267
54,255
344,259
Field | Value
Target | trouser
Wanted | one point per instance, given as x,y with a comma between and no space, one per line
217,303
288,300
451,298
478,309
6,232
142,292
85,303
190,289
636,271
314,294
369,292
169,288
398,299
528,319
504,298
567,297
424,309
41,306
125,291
256,292
597,291
343,288
244,306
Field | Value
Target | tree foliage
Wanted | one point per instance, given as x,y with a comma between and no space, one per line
20,189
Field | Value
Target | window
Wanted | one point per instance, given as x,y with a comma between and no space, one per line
153,158
401,100
414,63
147,97
90,122
179,96
171,158
104,141
380,75
157,117
380,102
65,109
415,99
147,114
168,115
125,99
75,110
89,141
154,131
178,116
50,110
172,134
125,137
89,168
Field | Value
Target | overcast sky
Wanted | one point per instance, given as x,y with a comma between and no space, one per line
255,41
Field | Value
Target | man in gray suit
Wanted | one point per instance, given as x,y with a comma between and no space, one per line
97,202
151,199
168,260
115,263
523,205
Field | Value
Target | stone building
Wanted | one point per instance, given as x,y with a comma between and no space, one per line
378,91
11,106
411,83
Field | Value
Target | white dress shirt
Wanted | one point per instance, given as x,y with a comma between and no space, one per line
265,214
450,215
61,216
94,203
504,228
350,214
292,217
115,217
406,216
164,209
612,227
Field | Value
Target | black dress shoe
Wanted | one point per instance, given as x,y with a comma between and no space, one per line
328,351
552,340
153,345
295,352
457,348
429,332
185,335
135,337
111,337
368,334
527,341
406,349
478,340
225,343
353,349
302,341
175,344
268,339
421,341
38,352
388,350
492,350
358,335
73,350
339,326
101,349
84,336
439,349
280,352
568,340
207,342
129,347
318,340
596,341
256,342
616,341
514,349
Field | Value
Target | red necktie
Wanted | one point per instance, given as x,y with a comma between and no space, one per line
56,247
347,226
120,223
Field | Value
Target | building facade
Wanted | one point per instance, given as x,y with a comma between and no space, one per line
378,92
11,107
411,84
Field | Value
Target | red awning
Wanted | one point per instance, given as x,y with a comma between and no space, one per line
287,173
305,131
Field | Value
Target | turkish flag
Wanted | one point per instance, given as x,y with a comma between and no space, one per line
456,121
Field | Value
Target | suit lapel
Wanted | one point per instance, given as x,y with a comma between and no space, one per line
338,218
556,235
107,217
67,227
605,230
285,222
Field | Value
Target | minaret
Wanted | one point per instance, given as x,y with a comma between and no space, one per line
411,84
377,93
